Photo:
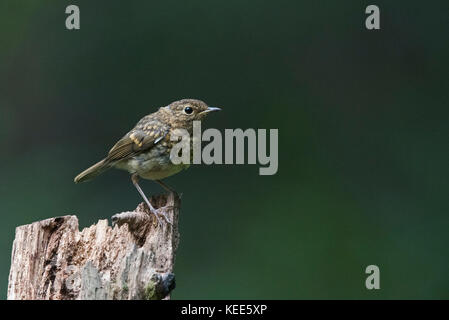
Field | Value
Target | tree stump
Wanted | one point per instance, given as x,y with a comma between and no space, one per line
134,259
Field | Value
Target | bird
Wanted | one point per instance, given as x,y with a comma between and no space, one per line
145,150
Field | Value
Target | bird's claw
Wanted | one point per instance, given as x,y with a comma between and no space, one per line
160,212
164,214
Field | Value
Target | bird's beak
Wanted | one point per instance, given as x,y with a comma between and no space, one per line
211,109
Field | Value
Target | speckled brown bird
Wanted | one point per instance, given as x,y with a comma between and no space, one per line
145,150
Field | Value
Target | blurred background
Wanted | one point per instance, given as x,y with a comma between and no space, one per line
363,136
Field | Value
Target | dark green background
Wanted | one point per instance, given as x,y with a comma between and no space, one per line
363,136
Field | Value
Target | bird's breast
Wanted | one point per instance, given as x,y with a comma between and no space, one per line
153,165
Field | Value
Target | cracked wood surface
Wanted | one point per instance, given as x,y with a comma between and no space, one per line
134,259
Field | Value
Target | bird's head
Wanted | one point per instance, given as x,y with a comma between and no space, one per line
182,113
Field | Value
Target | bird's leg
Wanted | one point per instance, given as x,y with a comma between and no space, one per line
156,212
135,180
168,189
165,186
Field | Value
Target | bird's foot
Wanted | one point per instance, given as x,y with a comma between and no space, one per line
158,213
161,212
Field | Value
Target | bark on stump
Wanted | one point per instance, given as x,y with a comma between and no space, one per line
134,259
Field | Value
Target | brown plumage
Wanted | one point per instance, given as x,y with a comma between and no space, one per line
145,150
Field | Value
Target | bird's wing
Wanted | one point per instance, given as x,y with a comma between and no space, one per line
136,141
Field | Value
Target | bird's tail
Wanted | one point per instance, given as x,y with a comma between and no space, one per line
93,171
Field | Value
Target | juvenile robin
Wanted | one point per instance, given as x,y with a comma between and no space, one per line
145,150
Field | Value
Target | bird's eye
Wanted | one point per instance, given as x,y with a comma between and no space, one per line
188,110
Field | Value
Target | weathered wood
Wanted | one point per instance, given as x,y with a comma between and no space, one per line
134,259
